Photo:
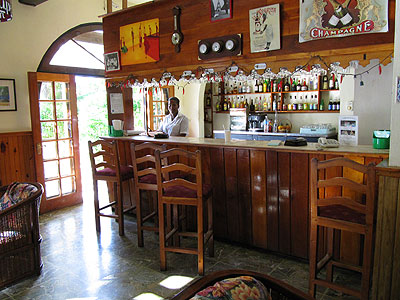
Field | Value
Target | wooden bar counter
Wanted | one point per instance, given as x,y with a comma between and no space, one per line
261,192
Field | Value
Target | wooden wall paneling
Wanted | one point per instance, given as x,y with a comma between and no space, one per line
16,157
387,229
350,250
259,209
244,193
299,204
395,290
284,198
219,199
196,25
232,194
273,220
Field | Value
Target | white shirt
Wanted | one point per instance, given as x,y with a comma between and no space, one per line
175,127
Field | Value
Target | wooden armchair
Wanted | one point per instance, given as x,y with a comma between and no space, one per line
19,232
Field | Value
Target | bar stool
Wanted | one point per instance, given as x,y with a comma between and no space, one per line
145,176
186,190
341,212
105,163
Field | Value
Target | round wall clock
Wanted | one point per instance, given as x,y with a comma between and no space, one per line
217,46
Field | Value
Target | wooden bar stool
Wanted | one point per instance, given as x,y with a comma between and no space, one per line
145,176
104,159
185,190
350,209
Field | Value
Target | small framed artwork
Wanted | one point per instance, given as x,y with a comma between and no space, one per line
220,10
8,99
111,61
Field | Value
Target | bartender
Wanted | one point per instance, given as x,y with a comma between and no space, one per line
175,123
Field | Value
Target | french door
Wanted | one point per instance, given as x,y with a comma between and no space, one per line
56,138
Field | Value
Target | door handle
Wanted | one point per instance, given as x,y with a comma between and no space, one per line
39,148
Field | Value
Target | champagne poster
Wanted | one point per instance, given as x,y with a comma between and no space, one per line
139,42
321,19
265,28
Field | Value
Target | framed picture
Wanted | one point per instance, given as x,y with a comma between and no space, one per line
140,42
8,97
220,10
111,61
265,28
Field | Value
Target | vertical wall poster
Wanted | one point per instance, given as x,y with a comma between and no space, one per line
265,28
140,42
321,19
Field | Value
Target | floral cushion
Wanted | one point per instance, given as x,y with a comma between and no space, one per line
239,288
15,193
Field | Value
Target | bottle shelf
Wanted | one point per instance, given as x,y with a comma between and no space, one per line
222,112
329,90
295,111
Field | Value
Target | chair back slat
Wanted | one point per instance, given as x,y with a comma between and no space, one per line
343,201
147,171
180,182
342,182
179,167
104,154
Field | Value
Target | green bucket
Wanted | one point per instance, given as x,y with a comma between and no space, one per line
116,133
381,139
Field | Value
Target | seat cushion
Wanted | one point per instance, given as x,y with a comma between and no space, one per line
15,193
184,192
126,172
340,212
149,179
243,287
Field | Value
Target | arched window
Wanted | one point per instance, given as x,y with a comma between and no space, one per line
78,51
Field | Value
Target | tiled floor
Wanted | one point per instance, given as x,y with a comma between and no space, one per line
79,264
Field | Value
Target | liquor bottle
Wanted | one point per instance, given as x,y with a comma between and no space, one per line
252,107
311,84
321,105
331,83
248,88
336,84
298,85
256,104
304,87
229,103
265,86
293,86
265,105
330,104
341,13
246,104
300,105
208,101
260,86
325,85
287,86
225,105
256,87
274,85
269,86
240,88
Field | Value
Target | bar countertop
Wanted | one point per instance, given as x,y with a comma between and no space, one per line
209,142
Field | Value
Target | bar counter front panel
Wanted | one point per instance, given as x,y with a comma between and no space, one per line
261,193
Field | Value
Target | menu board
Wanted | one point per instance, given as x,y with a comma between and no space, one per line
348,130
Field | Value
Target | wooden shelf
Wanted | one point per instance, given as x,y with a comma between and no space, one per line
297,111
222,112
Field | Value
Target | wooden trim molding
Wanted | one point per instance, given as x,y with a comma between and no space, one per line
45,66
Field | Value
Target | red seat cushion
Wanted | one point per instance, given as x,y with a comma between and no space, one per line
149,179
340,212
126,172
184,192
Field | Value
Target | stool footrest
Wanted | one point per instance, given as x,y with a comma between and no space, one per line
337,287
108,205
181,250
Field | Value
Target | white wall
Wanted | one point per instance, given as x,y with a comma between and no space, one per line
394,157
25,40
372,102
191,105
